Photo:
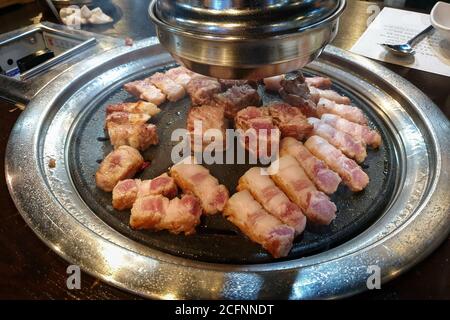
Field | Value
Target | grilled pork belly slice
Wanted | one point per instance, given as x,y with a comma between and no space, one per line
360,132
140,107
318,82
145,90
138,136
317,94
326,180
345,111
127,191
156,212
170,88
264,190
351,147
211,117
202,89
180,75
119,117
290,120
257,125
352,174
273,83
256,223
122,163
292,179
237,98
196,179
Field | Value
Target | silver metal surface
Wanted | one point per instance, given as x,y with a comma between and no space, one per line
412,226
25,88
245,39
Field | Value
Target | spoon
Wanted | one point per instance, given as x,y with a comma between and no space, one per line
407,48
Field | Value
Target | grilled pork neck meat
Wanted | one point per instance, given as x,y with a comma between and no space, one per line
156,212
202,89
237,98
261,227
210,117
290,120
122,163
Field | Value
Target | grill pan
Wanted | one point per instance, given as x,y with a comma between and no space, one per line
397,221
217,240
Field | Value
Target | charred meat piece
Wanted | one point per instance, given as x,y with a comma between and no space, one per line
156,212
326,180
127,191
318,82
317,94
227,84
259,135
256,223
170,88
209,117
145,90
292,179
352,174
119,117
202,89
237,98
138,136
351,147
140,107
359,132
122,163
264,190
353,114
196,179
180,75
290,120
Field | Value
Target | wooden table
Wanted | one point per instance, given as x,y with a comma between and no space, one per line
30,270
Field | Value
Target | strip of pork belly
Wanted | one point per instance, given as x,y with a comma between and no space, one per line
156,212
211,117
257,121
122,163
256,223
350,172
237,98
196,179
202,89
351,113
142,107
127,191
350,146
290,120
273,83
318,82
145,90
180,75
264,190
138,136
326,180
119,117
317,94
361,132
171,89
293,180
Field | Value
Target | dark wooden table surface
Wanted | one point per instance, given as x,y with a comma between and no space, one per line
30,270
